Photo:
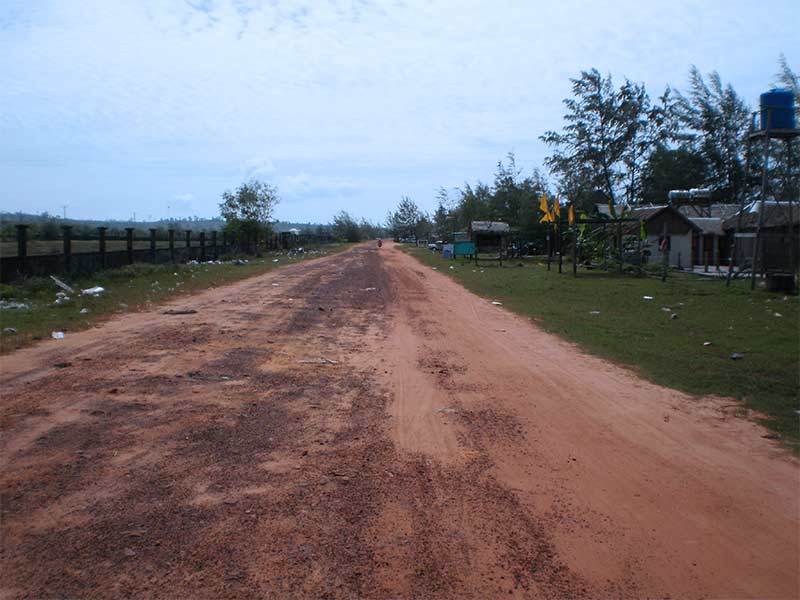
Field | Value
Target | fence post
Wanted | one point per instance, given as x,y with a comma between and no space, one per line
101,245
214,252
188,245
559,239
153,244
67,235
22,248
129,243
549,251
202,246
171,233
574,252
664,252
639,247
224,242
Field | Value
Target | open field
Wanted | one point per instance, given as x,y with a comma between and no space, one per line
39,247
641,334
127,289
361,426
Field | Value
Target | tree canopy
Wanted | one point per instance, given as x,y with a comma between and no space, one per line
249,209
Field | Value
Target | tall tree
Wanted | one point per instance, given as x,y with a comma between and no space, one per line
604,142
346,228
248,210
671,169
789,185
403,222
442,220
716,120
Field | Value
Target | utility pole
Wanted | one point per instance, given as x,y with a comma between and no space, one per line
64,208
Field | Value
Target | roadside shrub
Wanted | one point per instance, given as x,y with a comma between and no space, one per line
37,285
134,270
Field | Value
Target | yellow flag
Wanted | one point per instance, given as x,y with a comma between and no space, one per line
571,215
543,206
557,208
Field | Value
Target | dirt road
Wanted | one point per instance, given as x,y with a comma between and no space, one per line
361,427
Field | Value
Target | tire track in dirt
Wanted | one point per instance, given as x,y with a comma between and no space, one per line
345,428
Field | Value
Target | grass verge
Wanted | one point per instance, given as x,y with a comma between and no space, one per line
131,288
608,316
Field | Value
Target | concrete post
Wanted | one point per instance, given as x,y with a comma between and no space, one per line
214,251
67,236
188,245
101,245
22,248
129,243
153,245
171,245
202,246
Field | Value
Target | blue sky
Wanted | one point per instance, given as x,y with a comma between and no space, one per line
157,106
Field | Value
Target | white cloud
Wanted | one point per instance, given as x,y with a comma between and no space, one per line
258,168
303,185
401,97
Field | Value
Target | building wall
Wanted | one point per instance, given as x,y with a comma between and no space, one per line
680,252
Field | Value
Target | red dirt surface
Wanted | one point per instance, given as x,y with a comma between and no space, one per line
360,426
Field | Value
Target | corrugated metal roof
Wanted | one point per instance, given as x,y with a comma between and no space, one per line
489,227
717,210
776,214
708,224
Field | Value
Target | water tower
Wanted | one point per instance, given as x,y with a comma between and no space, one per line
774,121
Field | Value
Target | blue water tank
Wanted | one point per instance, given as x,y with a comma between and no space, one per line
781,103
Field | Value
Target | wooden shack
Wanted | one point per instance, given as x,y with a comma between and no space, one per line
489,238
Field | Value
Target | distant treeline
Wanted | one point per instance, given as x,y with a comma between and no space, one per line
617,146
45,226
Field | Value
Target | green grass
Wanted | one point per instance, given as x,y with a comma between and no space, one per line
639,334
134,287
39,247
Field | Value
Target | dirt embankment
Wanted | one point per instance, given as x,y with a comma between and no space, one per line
360,426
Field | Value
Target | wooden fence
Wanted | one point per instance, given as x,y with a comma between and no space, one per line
84,256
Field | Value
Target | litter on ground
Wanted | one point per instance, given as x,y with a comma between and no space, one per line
496,303
647,297
94,291
62,285
57,335
11,305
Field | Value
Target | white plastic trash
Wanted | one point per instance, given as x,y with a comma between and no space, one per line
57,335
93,291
